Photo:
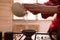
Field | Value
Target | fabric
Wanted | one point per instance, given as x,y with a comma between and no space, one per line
55,2
59,9
47,14
56,22
48,3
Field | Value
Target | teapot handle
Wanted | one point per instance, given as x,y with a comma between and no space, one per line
52,32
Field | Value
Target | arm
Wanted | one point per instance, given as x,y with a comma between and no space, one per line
41,8
48,9
45,10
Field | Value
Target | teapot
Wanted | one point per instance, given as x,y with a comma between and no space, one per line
54,34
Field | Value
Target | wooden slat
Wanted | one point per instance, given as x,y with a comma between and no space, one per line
5,16
5,1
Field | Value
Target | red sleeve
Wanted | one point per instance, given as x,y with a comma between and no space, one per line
58,9
46,15
48,3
